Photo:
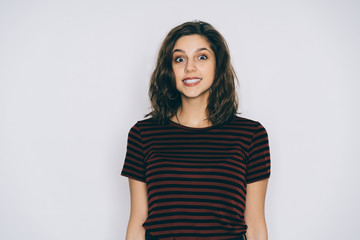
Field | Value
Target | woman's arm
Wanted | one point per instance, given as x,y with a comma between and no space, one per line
255,210
139,210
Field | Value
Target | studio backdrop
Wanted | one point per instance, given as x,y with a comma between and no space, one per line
74,78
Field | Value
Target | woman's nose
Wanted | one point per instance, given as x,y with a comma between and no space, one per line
190,66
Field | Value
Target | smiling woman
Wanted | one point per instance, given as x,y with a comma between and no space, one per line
188,47
196,170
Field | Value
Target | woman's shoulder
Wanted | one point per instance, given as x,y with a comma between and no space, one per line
146,123
247,123
242,120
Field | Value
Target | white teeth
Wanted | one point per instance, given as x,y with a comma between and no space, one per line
192,80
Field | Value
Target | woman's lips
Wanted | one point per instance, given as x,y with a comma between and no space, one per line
190,82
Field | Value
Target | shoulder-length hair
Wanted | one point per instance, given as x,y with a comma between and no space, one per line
165,98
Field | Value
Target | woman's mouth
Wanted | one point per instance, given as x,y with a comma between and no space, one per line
190,82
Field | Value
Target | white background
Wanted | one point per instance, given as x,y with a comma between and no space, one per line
74,78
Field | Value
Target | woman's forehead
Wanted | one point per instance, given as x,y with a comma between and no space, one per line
192,43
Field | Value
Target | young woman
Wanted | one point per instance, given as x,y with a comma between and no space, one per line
196,170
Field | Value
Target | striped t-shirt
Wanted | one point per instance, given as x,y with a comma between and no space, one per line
196,177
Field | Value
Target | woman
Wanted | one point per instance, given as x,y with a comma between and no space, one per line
196,170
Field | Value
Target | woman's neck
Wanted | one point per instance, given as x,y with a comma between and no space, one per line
192,113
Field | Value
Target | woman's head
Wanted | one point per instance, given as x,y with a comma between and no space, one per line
164,95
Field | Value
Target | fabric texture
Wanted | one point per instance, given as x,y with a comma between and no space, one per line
150,237
196,177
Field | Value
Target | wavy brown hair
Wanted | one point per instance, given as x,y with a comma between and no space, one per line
165,98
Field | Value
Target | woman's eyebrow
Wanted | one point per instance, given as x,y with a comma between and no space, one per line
178,50
201,49
197,50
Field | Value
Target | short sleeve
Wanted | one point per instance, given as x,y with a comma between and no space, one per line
258,164
134,166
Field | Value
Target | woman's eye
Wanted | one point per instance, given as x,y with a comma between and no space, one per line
202,57
179,59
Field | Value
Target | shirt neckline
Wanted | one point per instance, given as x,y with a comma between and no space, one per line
190,128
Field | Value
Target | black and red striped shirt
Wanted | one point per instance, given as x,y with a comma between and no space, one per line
196,177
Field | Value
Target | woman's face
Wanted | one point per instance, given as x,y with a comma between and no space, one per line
194,65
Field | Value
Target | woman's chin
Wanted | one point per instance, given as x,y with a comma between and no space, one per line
195,93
